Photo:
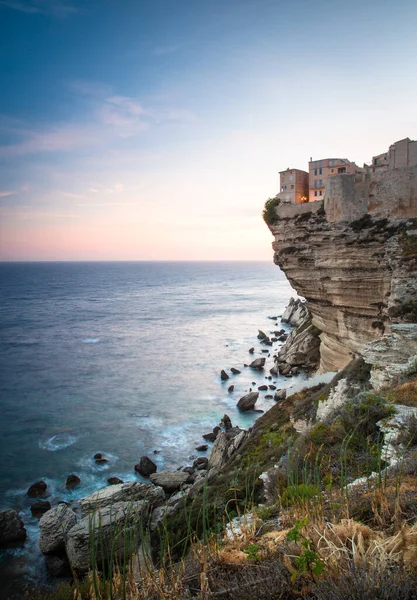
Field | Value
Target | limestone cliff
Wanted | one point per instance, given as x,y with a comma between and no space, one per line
354,259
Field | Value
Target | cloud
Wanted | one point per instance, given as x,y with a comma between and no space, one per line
57,8
125,115
7,193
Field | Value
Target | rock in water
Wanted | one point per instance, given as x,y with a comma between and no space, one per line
145,467
210,437
280,395
37,489
295,313
109,530
224,376
53,527
230,388
202,448
251,350
72,481
235,371
114,480
258,363
226,422
261,335
200,463
262,388
170,481
11,527
248,401
39,508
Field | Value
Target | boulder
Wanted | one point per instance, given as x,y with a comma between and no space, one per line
132,491
202,448
189,470
295,312
170,481
101,460
262,388
224,447
12,528
280,395
235,371
200,463
39,508
230,388
226,422
268,396
210,437
72,481
37,490
272,386
114,531
248,401
53,528
261,335
224,376
145,467
114,480
251,350
258,363
97,456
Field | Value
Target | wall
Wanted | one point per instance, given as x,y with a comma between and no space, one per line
391,193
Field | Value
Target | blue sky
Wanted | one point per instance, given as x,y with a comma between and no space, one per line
155,130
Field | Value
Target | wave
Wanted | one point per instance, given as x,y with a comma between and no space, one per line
91,341
58,442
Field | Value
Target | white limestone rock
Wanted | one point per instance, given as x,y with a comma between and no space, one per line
54,526
122,492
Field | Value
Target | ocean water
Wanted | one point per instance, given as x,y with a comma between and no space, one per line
123,359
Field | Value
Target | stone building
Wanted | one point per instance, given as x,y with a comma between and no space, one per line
321,170
293,186
401,154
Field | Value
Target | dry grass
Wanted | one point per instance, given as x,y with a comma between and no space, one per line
404,394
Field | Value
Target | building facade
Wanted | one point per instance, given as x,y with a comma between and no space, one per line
293,186
401,154
321,170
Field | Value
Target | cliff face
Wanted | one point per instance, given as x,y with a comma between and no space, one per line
358,276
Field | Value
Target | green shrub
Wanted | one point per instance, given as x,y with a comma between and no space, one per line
269,213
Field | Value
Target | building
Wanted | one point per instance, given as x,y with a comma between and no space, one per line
401,154
293,186
321,170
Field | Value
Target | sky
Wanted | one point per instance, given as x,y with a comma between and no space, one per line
155,130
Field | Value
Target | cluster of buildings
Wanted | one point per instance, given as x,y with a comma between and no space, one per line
297,186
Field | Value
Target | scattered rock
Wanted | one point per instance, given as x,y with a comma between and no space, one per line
226,422
235,371
210,437
268,396
202,448
170,481
37,490
145,467
98,456
273,318
280,395
251,350
295,313
258,363
272,386
114,481
248,401
200,463
261,335
72,481
230,388
266,351
157,452
274,339
262,388
189,470
53,527
131,491
39,508
224,376
12,529
123,518
57,566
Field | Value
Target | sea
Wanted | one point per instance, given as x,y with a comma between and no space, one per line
121,358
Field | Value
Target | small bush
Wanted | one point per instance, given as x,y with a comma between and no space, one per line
297,493
269,213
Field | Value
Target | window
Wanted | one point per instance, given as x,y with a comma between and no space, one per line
320,172
320,193
332,170
290,177
320,182
292,187
287,197
315,193
315,183
341,170
315,171
282,188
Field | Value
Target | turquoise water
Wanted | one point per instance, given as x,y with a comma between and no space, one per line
123,359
